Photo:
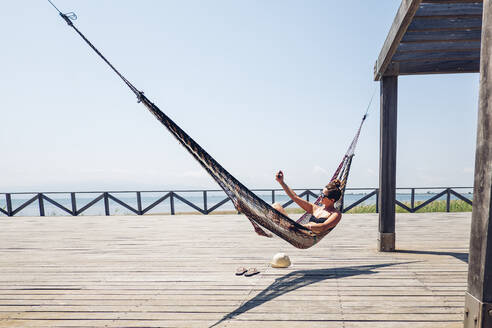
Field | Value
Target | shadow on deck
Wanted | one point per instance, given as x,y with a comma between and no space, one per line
301,278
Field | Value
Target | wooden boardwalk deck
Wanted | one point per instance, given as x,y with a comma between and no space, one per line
178,271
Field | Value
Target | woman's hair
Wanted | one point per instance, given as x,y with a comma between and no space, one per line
334,191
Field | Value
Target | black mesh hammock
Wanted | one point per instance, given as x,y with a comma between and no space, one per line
260,213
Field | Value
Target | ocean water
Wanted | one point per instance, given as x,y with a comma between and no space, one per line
195,197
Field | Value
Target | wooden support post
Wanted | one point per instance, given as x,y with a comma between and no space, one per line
387,163
273,196
74,204
478,302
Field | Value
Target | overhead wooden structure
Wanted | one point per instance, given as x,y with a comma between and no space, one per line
426,37
432,36
439,37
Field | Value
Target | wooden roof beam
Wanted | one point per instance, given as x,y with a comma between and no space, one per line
422,24
449,9
438,46
436,56
402,20
451,1
433,67
441,36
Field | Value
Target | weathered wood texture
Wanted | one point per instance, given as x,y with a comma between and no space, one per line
459,8
445,24
442,46
178,271
436,67
480,268
387,161
403,18
436,37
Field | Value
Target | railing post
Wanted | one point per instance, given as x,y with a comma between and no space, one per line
106,203
412,198
74,203
205,201
8,198
41,204
448,191
139,203
377,200
171,201
448,200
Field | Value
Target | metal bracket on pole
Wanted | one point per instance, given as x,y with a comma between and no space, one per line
386,242
477,314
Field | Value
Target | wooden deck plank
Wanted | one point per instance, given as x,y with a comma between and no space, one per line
137,272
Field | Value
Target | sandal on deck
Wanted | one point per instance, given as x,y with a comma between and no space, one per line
251,272
240,271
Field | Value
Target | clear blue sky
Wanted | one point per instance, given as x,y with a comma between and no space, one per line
261,85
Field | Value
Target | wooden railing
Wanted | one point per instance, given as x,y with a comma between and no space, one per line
108,197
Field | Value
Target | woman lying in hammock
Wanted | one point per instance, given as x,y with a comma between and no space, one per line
324,217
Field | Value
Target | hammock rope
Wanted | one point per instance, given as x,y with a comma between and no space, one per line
260,213
341,173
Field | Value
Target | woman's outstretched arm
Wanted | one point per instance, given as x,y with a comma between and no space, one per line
305,205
